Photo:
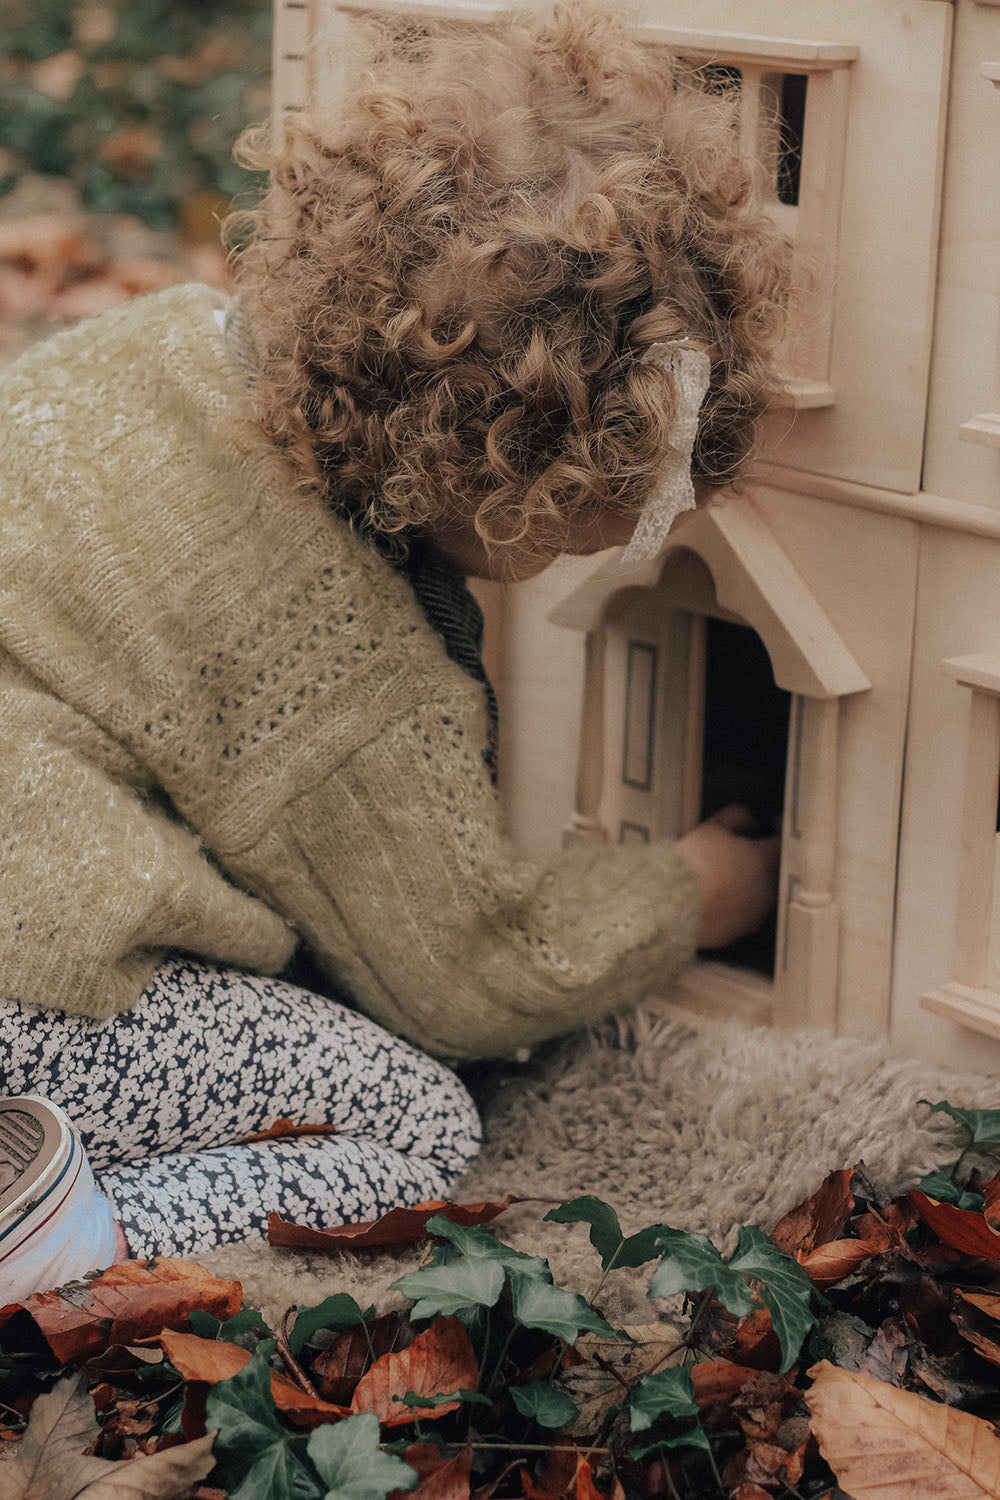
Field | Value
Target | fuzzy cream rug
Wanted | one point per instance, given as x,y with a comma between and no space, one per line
702,1125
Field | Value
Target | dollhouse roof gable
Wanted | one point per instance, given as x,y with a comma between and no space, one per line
754,580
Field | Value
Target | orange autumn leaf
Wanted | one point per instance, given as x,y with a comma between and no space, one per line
439,1360
440,1478
586,1489
124,1304
209,1360
717,1381
833,1261
871,1434
960,1228
818,1219
400,1226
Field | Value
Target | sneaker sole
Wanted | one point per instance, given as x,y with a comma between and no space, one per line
45,1144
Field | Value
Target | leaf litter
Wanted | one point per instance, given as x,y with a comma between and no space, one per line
854,1350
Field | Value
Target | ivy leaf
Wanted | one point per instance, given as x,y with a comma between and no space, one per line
336,1313
784,1285
551,1308
982,1125
692,1437
668,1393
245,1328
257,1457
940,1186
351,1464
606,1234
479,1244
463,1395
453,1288
691,1263
544,1403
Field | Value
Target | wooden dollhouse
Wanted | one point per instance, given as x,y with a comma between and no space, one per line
825,645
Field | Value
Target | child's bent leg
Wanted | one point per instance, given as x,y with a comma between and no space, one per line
185,1204
209,1056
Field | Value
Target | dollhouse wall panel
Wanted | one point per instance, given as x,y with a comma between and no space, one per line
965,372
957,616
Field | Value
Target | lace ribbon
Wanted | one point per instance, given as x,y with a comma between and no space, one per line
690,369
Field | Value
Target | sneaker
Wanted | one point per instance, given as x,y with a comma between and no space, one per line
54,1224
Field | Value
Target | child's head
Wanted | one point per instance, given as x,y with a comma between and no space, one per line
456,276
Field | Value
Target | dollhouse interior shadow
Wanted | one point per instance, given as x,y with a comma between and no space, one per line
744,755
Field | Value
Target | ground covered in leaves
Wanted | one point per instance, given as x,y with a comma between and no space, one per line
854,1351
117,122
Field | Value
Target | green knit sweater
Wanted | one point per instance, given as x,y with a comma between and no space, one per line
226,724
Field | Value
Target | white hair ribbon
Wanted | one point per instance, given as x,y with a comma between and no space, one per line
674,492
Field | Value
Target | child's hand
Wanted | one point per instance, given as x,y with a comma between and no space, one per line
738,874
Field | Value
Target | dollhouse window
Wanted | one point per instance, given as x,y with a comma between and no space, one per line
793,118
972,995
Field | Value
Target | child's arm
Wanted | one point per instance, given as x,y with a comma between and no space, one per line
395,872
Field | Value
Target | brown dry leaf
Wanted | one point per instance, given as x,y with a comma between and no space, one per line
440,1478
339,1367
717,1381
51,1463
991,1201
887,1356
438,1361
873,1435
960,1228
125,1304
839,1258
284,1126
819,1219
750,1492
603,1368
209,1360
400,1226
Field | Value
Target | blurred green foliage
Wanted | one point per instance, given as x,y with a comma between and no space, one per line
137,102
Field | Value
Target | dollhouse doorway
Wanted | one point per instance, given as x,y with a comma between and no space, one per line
713,676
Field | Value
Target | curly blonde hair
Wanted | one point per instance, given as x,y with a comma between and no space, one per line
452,280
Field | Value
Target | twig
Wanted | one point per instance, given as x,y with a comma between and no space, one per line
298,1374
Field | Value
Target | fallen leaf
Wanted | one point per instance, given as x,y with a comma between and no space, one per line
124,1304
440,1478
887,1356
339,1367
991,1202
717,1381
51,1463
439,1360
400,1226
819,1219
282,1127
834,1261
872,1434
207,1361
960,1228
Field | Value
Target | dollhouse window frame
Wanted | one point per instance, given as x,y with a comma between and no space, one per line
971,996
814,222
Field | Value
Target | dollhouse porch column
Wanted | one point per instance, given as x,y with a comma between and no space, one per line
808,945
584,824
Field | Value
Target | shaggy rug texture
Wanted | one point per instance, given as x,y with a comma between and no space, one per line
701,1125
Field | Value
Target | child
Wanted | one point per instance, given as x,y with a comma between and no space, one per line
241,702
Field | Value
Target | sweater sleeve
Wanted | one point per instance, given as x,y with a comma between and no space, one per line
396,873
98,876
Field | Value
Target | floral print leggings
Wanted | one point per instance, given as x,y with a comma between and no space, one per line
162,1096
